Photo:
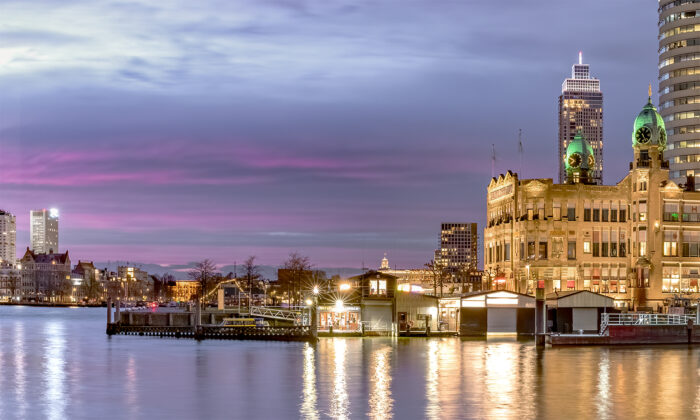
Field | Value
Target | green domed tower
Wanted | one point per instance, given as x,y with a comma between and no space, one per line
579,160
649,129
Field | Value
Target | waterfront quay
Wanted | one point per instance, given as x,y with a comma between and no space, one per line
279,325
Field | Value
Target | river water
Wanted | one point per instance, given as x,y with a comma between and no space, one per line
58,364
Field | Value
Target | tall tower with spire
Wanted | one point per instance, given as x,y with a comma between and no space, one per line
581,109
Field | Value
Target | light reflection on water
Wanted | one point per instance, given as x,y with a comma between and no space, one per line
20,376
56,364
55,367
380,400
339,401
308,406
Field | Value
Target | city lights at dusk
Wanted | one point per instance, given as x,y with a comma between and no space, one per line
314,209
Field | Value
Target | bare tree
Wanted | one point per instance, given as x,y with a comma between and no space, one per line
439,273
299,268
167,282
93,288
203,272
464,272
252,273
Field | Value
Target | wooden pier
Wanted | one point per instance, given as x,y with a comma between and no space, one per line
216,332
190,325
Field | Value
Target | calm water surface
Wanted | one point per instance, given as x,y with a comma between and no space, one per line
58,363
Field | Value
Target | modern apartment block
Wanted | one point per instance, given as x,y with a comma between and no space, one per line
8,238
44,231
679,85
581,108
457,246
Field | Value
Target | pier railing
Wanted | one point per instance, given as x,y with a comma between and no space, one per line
608,319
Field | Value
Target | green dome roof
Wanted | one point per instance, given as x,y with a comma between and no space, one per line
650,119
579,154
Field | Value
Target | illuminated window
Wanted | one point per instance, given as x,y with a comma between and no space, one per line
557,213
586,247
671,282
670,243
377,287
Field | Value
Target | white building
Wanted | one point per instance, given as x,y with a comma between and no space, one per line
44,231
8,238
581,108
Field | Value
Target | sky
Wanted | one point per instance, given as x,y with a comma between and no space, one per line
169,132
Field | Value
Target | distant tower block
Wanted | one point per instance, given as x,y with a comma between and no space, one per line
581,108
44,231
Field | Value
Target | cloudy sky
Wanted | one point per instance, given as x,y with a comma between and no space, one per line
167,132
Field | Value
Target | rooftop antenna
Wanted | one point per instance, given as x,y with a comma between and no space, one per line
580,57
520,151
493,160
649,90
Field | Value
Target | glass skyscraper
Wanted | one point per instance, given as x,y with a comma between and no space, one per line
679,85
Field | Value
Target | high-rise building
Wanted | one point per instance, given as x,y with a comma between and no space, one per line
581,108
8,238
457,246
44,231
679,79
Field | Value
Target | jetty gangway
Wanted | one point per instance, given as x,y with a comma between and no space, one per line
275,313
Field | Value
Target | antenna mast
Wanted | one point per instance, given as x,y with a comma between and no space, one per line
520,151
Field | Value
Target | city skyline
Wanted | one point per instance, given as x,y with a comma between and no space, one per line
288,149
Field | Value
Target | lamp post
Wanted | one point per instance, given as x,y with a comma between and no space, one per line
527,267
314,320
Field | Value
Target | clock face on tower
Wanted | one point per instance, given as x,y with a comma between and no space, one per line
643,135
575,160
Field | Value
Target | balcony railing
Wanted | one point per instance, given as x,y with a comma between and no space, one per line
607,319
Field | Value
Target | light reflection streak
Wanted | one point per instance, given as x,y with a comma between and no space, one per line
20,374
603,387
432,410
309,397
130,385
500,376
380,401
340,402
55,371
696,405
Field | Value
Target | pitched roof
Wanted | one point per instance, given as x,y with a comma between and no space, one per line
46,258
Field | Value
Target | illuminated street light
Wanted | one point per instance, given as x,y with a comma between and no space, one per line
339,306
315,290
309,302
344,287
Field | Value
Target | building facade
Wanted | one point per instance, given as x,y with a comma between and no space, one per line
679,79
86,282
44,231
423,280
186,290
8,238
637,241
581,108
10,283
457,246
46,277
